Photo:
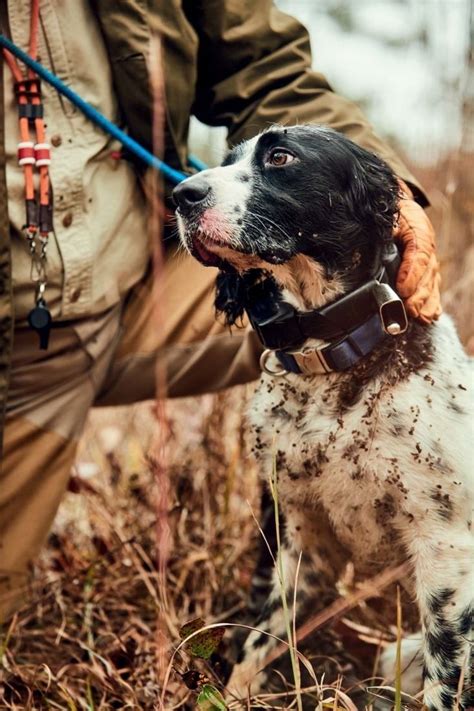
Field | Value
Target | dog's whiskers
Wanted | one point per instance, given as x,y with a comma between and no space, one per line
264,218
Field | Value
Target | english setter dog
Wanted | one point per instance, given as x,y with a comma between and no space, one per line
365,415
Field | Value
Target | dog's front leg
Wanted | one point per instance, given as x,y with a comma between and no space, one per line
445,590
247,675
308,531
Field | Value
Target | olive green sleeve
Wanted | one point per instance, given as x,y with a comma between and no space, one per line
254,69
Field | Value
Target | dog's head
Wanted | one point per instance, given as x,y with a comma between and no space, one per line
304,204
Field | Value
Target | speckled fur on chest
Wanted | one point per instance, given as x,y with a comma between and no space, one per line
376,467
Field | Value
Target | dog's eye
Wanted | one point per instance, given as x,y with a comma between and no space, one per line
278,157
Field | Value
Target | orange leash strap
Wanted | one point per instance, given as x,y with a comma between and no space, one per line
31,154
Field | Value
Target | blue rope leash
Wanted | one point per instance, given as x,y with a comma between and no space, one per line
196,162
175,176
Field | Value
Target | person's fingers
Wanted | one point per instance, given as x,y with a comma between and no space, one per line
416,261
418,275
431,309
425,302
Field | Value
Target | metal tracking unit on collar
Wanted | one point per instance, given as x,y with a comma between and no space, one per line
353,325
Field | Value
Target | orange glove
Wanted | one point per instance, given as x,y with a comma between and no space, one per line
418,278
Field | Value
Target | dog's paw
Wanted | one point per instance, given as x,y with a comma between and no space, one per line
411,664
244,681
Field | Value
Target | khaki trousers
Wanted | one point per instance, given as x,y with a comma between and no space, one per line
109,359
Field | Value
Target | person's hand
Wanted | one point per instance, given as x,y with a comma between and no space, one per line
418,278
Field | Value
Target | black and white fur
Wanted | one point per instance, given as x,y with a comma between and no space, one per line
374,465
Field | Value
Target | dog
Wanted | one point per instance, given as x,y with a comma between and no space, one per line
362,416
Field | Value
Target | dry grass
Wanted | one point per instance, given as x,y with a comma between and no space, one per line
91,636
90,631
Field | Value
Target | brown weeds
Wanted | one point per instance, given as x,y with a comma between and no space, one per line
87,639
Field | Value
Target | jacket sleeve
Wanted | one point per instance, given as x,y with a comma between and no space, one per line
254,69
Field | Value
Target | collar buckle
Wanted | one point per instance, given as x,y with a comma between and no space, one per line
391,309
307,361
312,361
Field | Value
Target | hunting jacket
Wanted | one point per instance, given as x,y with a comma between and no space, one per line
241,64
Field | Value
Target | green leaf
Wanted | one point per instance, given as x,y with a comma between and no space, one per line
210,699
203,645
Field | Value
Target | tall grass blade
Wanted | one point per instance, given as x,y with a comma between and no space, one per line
398,658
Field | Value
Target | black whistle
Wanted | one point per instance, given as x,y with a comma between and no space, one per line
40,321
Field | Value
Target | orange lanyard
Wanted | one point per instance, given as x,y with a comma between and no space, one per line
33,154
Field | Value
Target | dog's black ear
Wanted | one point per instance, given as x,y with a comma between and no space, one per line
230,296
373,193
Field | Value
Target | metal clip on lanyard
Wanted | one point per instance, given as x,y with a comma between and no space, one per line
33,154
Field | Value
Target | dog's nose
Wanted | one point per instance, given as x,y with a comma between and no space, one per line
191,192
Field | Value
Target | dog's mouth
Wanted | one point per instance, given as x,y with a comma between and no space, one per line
200,247
214,252
203,234
213,240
